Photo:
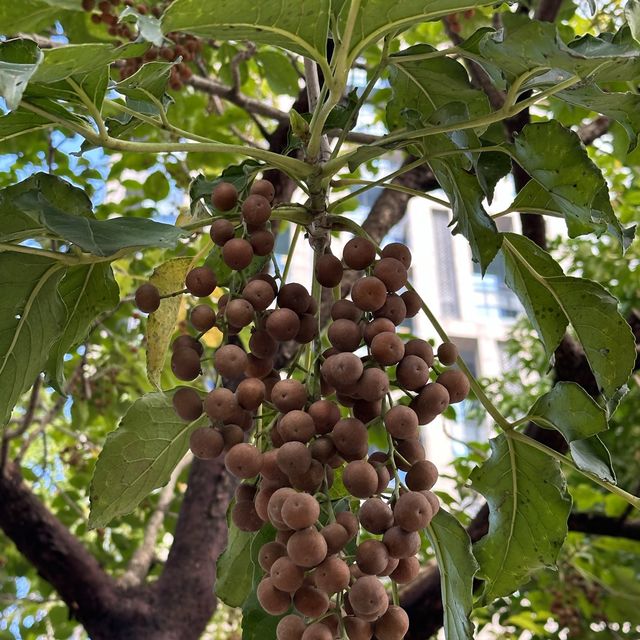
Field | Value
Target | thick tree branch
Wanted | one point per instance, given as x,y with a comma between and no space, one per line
57,554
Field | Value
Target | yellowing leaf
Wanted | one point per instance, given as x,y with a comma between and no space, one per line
168,277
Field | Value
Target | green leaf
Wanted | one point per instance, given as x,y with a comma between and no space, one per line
31,319
237,568
279,72
491,167
149,27
19,60
623,107
100,237
525,45
156,186
299,27
138,457
427,85
168,277
87,291
579,418
528,511
632,14
457,566
379,17
555,158
80,59
28,16
553,300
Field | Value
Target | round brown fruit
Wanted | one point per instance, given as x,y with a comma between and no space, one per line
206,443
263,188
376,516
422,476
372,557
328,270
307,548
393,309
222,231
456,383
349,521
357,628
393,625
344,335
350,437
412,373
237,253
272,600
387,348
432,400
201,281
310,601
367,595
262,242
188,404
401,543
412,511
293,458
401,422
317,631
230,361
325,414
296,425
259,294
262,345
369,293
342,369
294,296
447,353
345,309
360,479
406,571
224,196
376,326
185,341
332,575
147,298
239,312
392,272
291,627
245,517
202,317
250,393
420,348
412,303
220,404
283,324
288,395
301,510
398,251
185,364
243,461
286,575
256,209
358,253
335,536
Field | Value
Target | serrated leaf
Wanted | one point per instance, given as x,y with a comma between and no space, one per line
31,319
299,27
632,14
579,418
168,277
378,17
87,291
79,59
524,45
553,300
457,566
528,511
138,457
425,86
19,60
149,27
555,158
99,237
622,107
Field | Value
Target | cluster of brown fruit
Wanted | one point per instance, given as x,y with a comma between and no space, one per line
179,46
331,560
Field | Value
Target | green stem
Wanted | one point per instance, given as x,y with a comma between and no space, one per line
634,501
294,168
382,63
376,183
393,187
438,53
91,108
292,249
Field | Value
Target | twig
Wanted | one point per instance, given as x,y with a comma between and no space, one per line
142,558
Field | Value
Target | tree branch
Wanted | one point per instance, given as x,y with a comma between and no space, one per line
143,556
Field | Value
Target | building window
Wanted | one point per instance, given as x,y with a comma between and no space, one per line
445,265
492,297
